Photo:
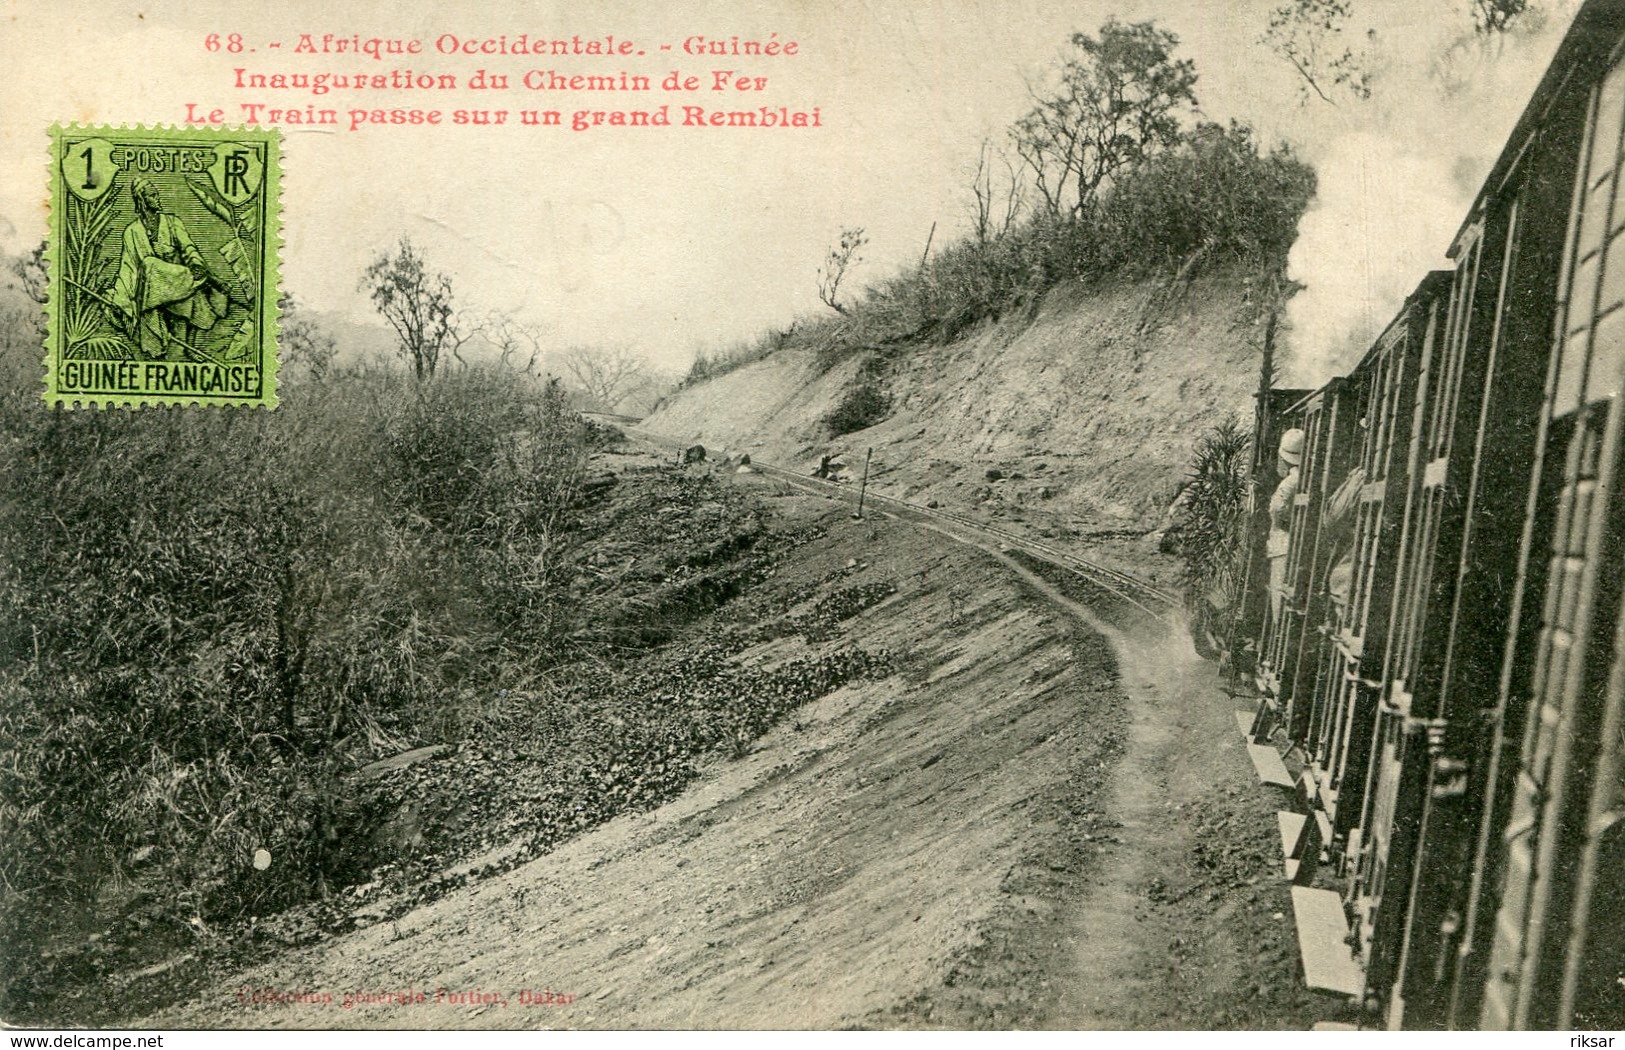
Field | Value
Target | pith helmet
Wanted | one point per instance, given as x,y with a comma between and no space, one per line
1292,446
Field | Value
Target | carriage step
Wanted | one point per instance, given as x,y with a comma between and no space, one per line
1308,791
1325,824
1291,825
1328,964
1267,762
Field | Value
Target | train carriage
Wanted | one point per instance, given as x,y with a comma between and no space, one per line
1329,419
1359,563
1516,233
1510,250
1290,644
1452,663
1359,743
1553,844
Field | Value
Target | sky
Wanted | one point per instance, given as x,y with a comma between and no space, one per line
677,240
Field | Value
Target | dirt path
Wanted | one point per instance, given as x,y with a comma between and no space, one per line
1043,823
1184,920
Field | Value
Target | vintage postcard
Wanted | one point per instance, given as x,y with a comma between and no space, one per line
908,515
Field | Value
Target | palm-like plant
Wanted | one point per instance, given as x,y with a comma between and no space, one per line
1214,521
84,317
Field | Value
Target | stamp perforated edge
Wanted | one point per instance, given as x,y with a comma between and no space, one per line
270,339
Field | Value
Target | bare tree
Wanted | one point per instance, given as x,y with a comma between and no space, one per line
1309,34
418,305
605,374
997,191
843,256
518,344
1118,98
22,323
30,273
303,343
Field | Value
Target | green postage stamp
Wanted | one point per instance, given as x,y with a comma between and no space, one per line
163,266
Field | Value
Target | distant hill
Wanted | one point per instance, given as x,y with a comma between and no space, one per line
355,341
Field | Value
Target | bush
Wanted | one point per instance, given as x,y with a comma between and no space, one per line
1211,529
1215,197
864,403
206,616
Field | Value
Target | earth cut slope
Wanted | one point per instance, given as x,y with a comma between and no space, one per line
1074,421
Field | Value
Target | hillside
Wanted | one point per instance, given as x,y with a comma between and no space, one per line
1075,421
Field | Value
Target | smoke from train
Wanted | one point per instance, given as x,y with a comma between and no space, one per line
1396,173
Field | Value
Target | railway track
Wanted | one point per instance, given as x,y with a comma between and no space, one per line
1154,602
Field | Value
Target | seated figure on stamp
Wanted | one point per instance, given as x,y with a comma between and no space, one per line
164,293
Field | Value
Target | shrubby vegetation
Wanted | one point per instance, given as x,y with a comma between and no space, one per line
1102,179
207,616
1212,523
212,622
864,402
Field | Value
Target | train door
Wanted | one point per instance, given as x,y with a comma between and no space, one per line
1431,498
1341,535
1388,415
1371,740
1555,954
1327,451
1593,993
1594,979
1245,635
1285,615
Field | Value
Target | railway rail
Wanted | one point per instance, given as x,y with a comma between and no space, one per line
1152,601
1149,600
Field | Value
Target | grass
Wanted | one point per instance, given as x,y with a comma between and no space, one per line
209,621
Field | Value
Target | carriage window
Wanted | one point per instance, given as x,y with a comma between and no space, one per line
1613,271
1607,357
1592,338
1599,188
1584,294
1610,113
